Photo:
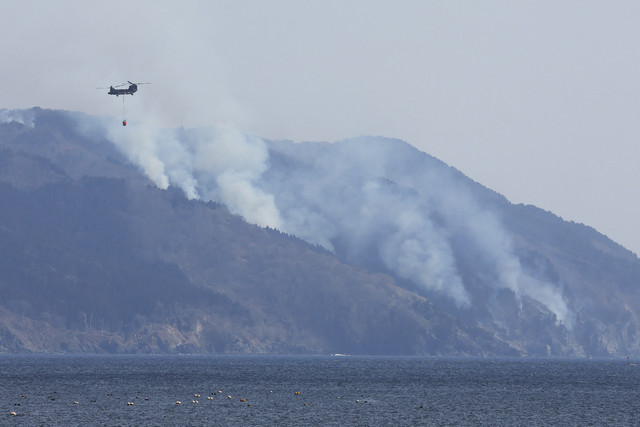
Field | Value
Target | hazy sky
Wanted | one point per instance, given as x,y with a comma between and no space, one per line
538,100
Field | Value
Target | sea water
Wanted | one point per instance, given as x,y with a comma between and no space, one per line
314,390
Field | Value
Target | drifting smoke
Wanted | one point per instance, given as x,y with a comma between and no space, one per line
218,164
24,117
389,200
368,198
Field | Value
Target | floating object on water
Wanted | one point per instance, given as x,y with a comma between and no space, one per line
178,402
210,397
296,393
130,403
194,401
124,123
76,402
13,413
243,400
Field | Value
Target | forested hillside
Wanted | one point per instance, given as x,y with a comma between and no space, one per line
210,241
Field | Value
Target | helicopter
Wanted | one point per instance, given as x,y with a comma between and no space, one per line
133,88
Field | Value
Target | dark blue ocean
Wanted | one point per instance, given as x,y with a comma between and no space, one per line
308,390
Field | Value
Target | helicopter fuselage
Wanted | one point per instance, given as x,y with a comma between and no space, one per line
117,92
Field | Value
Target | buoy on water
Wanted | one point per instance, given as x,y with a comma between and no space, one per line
124,123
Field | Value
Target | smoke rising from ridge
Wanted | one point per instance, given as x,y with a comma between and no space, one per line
367,199
25,117
213,164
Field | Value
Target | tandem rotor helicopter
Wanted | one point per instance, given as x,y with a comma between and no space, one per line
114,90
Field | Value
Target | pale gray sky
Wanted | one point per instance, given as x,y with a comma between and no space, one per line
538,100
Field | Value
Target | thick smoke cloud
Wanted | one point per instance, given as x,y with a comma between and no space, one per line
367,199
25,117
387,199
219,164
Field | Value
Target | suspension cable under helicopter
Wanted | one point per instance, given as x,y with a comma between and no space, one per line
124,120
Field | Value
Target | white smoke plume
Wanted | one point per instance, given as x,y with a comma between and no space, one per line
406,207
368,198
24,117
219,164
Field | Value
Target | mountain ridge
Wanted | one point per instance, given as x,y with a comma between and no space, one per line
403,253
